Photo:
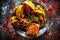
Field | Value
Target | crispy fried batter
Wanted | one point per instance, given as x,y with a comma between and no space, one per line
37,16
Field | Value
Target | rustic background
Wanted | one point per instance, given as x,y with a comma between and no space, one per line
8,33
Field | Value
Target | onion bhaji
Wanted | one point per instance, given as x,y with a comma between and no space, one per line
30,17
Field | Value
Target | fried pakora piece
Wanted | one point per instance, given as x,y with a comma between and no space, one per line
28,6
39,10
33,29
13,19
19,11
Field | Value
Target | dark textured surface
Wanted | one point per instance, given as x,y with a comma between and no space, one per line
5,36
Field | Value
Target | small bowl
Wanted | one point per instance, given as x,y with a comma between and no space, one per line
41,31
